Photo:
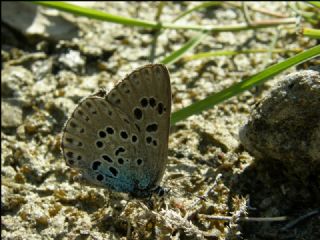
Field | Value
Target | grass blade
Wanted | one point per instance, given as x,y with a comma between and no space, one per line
95,14
237,88
236,52
311,32
195,8
314,3
99,15
176,55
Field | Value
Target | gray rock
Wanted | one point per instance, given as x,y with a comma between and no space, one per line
72,60
14,80
285,125
37,21
11,113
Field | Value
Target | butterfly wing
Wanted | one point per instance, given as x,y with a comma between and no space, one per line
120,139
146,96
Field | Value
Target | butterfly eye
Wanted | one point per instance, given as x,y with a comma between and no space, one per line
155,143
110,130
102,134
107,158
120,161
99,144
96,165
100,177
119,150
69,154
114,171
124,134
138,113
152,102
144,102
160,108
134,138
148,140
152,127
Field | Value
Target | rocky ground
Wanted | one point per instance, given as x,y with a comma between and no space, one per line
46,71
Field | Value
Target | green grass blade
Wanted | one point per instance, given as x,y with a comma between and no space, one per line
311,32
237,88
236,52
230,28
312,17
314,3
176,55
198,7
95,14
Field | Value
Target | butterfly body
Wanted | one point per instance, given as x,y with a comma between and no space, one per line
119,139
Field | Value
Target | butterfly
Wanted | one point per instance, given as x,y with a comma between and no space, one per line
119,140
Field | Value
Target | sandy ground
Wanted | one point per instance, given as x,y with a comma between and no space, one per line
209,172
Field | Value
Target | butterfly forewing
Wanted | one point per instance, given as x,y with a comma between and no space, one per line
120,139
